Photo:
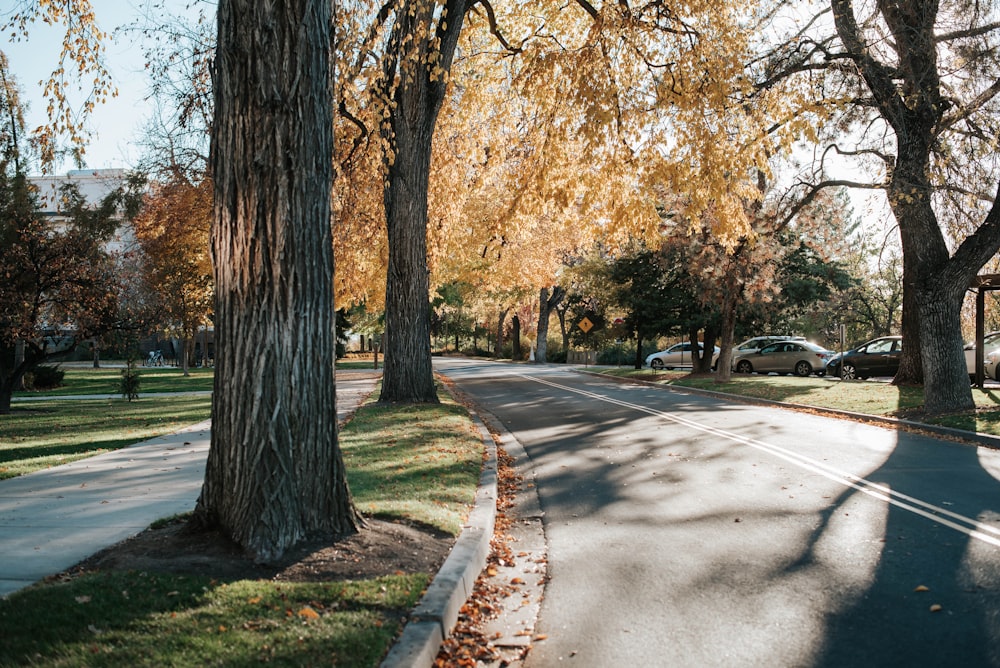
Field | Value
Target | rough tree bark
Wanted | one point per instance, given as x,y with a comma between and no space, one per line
546,304
274,473
730,298
426,47
501,319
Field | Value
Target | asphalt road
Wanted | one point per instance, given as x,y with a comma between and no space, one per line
688,531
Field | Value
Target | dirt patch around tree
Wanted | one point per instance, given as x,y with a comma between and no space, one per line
382,547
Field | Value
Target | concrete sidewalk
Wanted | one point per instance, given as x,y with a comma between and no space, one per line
51,520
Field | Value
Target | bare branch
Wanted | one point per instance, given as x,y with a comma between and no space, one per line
491,18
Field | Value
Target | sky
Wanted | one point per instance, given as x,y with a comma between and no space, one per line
115,125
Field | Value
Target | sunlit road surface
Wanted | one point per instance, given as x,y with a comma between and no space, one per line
687,531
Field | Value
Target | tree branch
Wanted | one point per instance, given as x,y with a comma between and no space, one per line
491,19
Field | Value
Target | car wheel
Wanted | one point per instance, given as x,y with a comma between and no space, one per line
656,364
803,368
743,366
850,372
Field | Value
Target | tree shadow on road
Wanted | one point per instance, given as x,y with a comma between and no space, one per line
935,590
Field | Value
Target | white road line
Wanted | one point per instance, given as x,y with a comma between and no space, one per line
943,516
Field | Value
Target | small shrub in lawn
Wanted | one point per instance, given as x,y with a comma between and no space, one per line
44,377
130,382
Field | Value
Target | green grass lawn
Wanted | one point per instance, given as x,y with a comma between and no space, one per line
105,381
39,434
867,397
420,463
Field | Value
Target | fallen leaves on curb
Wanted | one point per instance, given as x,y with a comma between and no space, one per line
468,645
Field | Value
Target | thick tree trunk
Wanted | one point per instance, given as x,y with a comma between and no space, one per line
274,473
515,338
932,333
911,370
727,326
408,376
501,319
546,304
18,361
563,331
425,50
703,361
941,352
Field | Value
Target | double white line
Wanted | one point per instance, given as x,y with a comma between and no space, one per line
966,525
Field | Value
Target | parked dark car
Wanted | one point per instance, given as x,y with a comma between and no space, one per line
878,357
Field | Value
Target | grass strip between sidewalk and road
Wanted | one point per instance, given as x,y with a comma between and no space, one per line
420,463
866,397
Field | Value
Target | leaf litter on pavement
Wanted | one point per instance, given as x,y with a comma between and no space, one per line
510,581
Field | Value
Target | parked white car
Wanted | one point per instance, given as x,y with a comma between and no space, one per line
991,342
678,356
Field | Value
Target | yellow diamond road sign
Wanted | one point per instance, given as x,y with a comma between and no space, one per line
585,325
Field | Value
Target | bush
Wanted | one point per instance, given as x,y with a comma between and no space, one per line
129,386
623,354
44,378
558,357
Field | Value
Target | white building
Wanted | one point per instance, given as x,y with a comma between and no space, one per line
94,185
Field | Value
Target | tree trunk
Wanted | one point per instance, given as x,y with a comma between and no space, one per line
931,306
515,338
97,354
911,370
408,375
185,362
562,329
546,304
703,362
941,352
424,48
727,326
638,351
274,473
498,350
18,361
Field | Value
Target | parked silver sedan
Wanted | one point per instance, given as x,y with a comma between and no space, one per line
799,357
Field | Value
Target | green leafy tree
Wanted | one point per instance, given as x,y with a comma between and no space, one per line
651,293
60,286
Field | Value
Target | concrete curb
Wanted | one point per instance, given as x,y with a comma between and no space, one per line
435,616
987,440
